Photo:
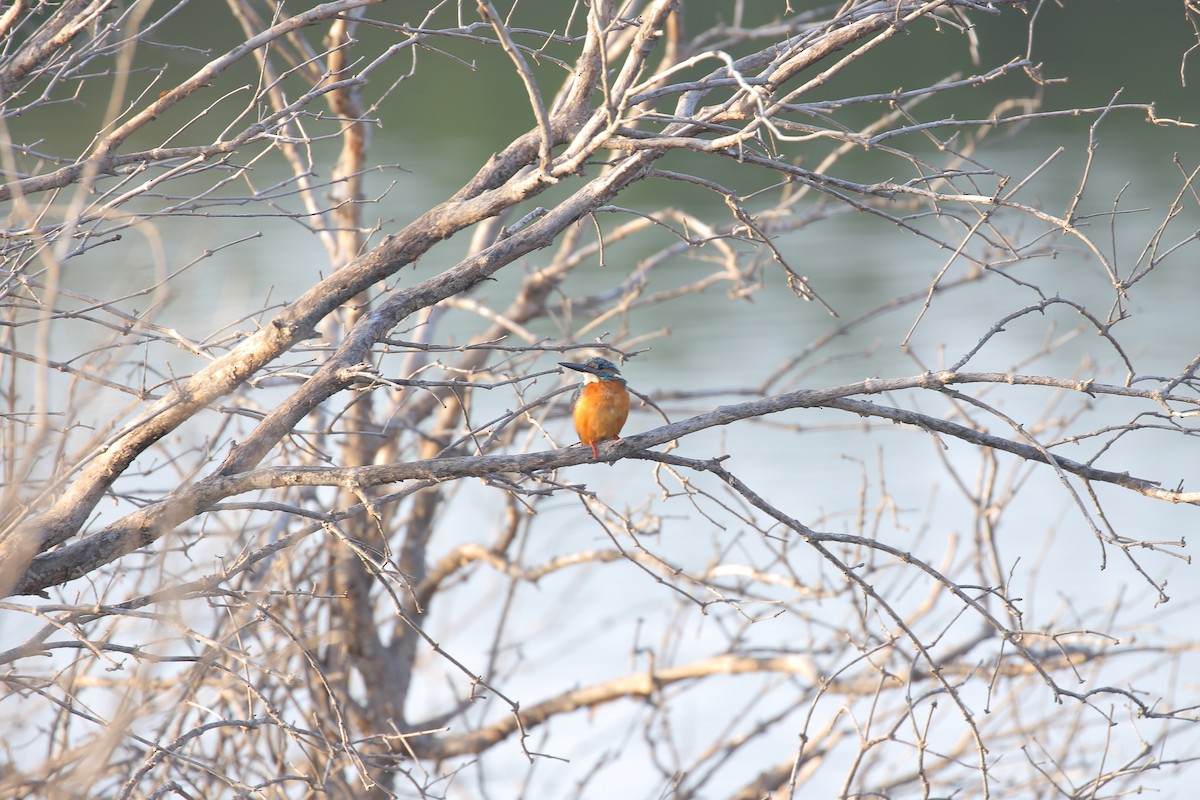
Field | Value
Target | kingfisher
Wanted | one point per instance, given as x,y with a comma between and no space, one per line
603,405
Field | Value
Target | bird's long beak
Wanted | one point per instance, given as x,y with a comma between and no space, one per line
579,367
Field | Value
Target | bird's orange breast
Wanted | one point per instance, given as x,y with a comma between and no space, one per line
601,411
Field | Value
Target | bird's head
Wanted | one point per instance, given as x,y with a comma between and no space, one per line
596,369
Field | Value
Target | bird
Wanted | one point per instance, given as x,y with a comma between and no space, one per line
603,405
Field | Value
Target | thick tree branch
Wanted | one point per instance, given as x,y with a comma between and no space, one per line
147,525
